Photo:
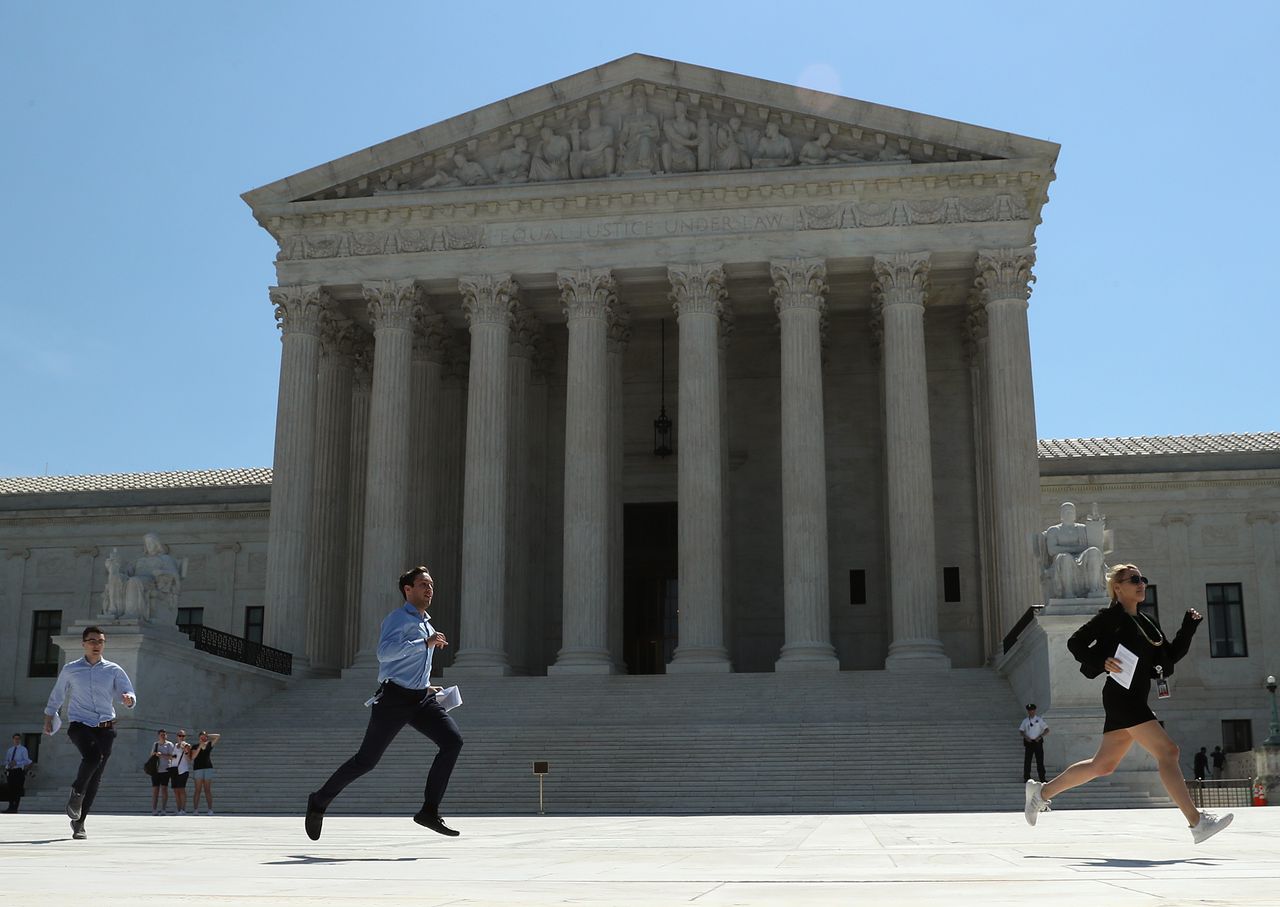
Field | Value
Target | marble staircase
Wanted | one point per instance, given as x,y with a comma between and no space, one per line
861,741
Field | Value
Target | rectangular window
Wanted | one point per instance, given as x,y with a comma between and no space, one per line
1237,735
45,625
253,619
190,619
951,584
1226,620
1150,606
32,743
857,587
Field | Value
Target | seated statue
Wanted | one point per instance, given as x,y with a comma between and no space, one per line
639,139
1072,561
731,150
592,154
774,149
150,584
552,160
683,145
513,163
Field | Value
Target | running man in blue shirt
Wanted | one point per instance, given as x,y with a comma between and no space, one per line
90,686
405,696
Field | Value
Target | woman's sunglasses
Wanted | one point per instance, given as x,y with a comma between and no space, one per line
1136,580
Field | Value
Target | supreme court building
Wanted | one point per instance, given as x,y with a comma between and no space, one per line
483,320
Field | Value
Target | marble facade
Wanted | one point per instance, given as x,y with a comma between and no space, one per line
848,287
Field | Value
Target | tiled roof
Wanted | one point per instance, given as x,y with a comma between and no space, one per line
1170,445
134,481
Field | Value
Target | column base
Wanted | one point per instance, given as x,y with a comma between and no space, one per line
917,655
807,656
480,663
700,660
583,661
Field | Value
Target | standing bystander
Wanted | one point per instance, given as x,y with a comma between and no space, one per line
1033,730
163,750
202,770
1201,764
16,761
1219,762
181,772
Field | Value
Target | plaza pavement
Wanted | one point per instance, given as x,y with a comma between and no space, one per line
1088,857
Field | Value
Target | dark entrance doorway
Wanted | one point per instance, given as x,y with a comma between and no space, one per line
649,591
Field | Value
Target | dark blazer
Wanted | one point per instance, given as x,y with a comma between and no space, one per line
1096,641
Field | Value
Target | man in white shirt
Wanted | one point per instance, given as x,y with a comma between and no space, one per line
16,760
1033,731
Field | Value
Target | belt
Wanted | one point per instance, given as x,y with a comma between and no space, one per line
106,725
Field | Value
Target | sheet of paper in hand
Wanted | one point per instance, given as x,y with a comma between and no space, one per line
1128,664
449,697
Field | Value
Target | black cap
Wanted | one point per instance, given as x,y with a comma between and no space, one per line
1030,705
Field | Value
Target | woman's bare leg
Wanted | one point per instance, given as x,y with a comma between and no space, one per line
1110,751
1152,738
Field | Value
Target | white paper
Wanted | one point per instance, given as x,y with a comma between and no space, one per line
1128,665
57,723
449,697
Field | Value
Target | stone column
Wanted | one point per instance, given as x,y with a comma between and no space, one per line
901,284
12,649
1180,589
487,301
298,311
424,439
726,552
361,391
446,563
974,342
619,337
327,578
1004,278
223,613
588,296
524,336
697,292
798,287
393,305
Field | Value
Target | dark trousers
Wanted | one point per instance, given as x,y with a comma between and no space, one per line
94,744
17,780
1032,748
396,708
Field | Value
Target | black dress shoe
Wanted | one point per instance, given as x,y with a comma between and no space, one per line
74,802
315,819
430,818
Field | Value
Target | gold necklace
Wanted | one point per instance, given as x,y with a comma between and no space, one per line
1159,640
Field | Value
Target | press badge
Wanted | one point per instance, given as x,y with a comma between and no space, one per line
1162,685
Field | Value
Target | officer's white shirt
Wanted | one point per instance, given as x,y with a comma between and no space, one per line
1034,728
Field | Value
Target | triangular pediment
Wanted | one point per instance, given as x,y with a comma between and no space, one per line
642,116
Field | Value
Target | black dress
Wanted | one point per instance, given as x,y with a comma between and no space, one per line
1096,641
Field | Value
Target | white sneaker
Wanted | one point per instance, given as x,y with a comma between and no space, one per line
1035,804
209,813
155,812
1209,825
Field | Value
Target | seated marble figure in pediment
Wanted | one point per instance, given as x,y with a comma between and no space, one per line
638,132
1071,557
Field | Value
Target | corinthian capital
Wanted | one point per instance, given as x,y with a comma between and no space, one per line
587,292
1005,274
901,278
798,283
429,336
393,303
526,329
336,334
300,309
697,288
488,298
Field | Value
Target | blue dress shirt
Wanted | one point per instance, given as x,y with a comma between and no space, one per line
17,757
404,657
90,691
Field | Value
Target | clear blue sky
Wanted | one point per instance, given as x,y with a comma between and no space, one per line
137,334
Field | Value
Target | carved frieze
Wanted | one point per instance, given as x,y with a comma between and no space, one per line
834,216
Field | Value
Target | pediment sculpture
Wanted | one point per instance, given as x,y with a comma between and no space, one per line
1072,562
146,589
640,135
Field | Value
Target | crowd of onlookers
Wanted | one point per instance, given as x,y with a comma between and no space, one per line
176,762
